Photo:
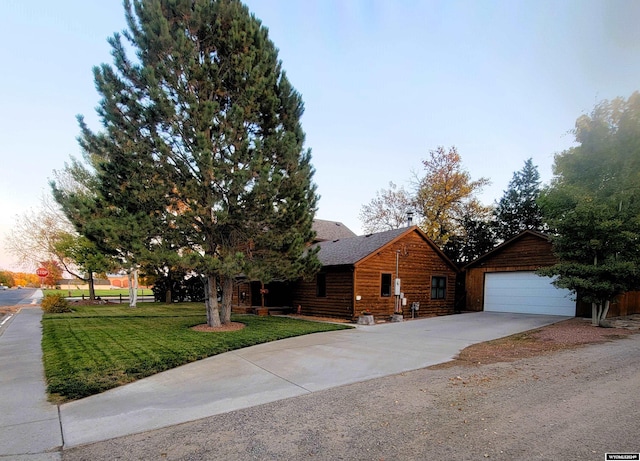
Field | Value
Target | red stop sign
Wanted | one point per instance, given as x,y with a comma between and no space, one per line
42,272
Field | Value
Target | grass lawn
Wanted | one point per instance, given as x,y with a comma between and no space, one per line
101,293
96,348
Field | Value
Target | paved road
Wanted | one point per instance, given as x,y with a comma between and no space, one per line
16,297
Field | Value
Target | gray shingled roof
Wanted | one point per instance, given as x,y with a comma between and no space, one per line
331,230
351,250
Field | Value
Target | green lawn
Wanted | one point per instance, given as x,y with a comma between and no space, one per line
96,348
101,293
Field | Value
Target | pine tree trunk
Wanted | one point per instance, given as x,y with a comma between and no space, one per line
168,294
227,296
133,287
600,313
211,302
92,288
605,311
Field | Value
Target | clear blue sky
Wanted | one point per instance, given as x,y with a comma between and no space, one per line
383,81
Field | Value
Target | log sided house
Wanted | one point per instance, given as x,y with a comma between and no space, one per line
359,273
247,294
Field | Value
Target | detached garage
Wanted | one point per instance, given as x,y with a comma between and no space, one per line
504,280
526,293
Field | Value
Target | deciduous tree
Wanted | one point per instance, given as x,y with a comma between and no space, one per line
35,233
387,210
55,272
45,237
593,206
82,259
446,194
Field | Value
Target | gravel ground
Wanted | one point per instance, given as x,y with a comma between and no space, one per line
556,393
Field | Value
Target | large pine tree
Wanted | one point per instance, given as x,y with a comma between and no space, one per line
202,131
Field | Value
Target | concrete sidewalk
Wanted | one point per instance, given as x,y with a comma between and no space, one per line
282,369
29,425
32,429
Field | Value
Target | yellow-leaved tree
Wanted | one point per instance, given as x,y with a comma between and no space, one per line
446,195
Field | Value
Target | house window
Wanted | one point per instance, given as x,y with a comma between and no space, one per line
385,285
321,285
438,287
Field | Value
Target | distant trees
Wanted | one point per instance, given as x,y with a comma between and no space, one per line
518,209
445,205
7,279
23,279
45,237
34,235
387,210
201,159
593,206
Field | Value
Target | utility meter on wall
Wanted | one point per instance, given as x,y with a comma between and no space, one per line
397,288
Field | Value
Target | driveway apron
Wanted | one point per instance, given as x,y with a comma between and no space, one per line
282,369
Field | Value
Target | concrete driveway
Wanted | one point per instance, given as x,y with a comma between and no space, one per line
282,369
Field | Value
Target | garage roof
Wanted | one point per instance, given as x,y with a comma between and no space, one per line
505,244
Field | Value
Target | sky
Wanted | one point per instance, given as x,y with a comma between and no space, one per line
383,83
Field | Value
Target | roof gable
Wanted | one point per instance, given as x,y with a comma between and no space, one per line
355,250
500,248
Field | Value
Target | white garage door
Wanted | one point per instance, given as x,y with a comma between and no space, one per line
526,293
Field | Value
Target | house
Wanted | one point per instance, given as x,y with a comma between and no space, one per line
504,280
359,274
112,282
247,294
118,280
